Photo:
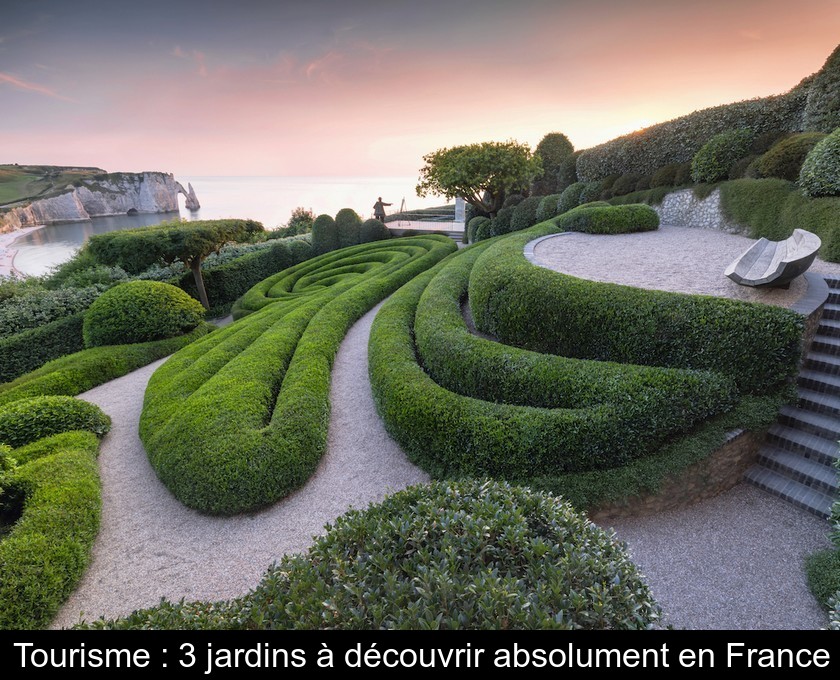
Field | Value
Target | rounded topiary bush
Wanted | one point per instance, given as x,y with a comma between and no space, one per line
715,158
373,230
501,222
27,420
513,200
625,183
567,172
140,311
602,218
465,554
664,176
348,223
324,235
483,230
473,225
547,207
525,214
820,174
570,198
784,160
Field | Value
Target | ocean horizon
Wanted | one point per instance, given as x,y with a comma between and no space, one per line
269,200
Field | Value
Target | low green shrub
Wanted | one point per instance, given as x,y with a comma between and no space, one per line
664,176
593,191
745,167
450,555
820,174
473,225
30,349
36,307
347,223
784,160
547,207
567,172
324,235
625,183
76,373
570,198
513,200
823,571
48,548
483,231
140,311
682,175
609,219
773,208
239,418
715,158
501,222
26,420
834,612
373,230
525,213
541,310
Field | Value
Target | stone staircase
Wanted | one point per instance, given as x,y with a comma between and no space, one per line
796,461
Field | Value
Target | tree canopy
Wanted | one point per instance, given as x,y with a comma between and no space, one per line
480,173
190,242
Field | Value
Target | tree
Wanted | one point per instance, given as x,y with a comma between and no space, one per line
480,173
190,242
553,150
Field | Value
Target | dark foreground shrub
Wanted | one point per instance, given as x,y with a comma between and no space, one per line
28,350
525,214
27,420
547,207
140,311
451,555
324,235
373,230
570,198
473,226
823,570
347,223
47,550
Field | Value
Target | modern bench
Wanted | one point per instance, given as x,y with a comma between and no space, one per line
775,263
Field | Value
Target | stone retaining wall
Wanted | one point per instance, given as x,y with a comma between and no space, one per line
705,479
683,209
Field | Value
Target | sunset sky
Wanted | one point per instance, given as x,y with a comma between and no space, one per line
366,87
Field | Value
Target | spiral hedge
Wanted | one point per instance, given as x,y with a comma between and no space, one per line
239,418
585,375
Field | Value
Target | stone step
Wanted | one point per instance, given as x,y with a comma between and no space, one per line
820,424
819,382
820,361
797,493
829,327
818,448
831,310
832,281
826,344
820,402
821,477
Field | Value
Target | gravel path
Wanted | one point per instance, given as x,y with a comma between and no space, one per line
731,562
150,546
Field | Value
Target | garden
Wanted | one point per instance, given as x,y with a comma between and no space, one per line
529,396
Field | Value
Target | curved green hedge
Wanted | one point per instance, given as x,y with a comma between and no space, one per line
30,349
76,373
47,550
820,173
449,555
609,219
462,405
239,419
27,420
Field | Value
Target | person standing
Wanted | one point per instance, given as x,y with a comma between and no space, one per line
379,209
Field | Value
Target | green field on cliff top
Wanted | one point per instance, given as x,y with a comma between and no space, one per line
24,182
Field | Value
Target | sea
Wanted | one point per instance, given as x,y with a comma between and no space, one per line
269,200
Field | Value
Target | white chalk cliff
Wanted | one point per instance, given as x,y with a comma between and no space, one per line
113,194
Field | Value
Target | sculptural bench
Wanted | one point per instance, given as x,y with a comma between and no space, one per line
775,263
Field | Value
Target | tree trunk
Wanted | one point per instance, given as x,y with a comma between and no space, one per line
195,265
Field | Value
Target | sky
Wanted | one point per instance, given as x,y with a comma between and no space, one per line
367,87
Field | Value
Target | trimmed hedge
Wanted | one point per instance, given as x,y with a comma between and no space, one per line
373,230
140,311
450,555
823,571
347,223
820,174
608,219
822,108
324,235
473,226
37,307
773,208
30,349
501,222
227,282
534,308
525,214
48,549
784,160
239,419
26,420
547,207
76,373
570,198
715,158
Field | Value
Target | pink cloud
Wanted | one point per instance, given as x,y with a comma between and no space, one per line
199,58
31,87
